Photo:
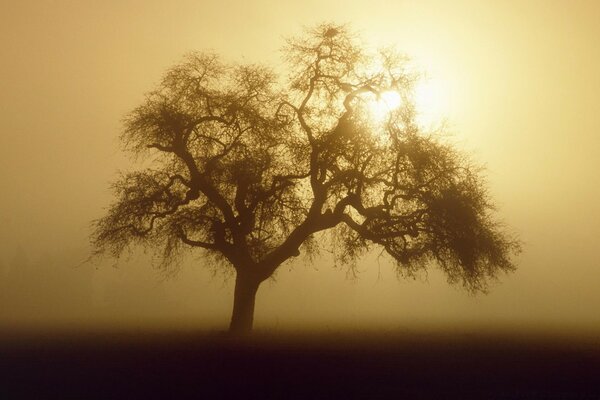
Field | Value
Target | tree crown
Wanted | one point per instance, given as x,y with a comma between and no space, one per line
250,170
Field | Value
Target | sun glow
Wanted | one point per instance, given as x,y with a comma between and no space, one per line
428,96
431,102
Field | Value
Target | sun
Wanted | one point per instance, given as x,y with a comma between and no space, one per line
428,97
382,105
390,99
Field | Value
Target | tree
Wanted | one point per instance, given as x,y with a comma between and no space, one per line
253,172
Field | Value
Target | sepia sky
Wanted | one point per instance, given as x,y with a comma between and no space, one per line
518,82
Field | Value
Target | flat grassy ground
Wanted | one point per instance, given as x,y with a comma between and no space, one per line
281,365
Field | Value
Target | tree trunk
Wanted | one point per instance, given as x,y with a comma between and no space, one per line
244,296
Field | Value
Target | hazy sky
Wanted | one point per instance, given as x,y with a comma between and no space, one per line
518,81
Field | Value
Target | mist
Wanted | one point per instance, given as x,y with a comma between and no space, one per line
522,82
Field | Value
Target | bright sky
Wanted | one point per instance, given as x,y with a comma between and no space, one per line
517,81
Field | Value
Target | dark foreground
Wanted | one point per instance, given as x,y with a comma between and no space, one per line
333,366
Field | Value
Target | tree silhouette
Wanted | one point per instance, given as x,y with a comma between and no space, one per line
252,171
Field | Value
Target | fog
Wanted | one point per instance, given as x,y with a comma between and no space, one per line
520,83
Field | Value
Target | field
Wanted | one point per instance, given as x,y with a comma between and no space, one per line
334,365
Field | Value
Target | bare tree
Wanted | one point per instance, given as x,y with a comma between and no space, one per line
253,171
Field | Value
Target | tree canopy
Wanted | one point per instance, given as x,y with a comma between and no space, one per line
251,168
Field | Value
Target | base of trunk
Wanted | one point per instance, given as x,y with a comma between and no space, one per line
244,296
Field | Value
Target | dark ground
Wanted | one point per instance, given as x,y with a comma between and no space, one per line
332,366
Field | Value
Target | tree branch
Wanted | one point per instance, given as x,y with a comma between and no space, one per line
195,243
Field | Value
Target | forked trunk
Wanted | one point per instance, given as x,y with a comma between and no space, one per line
244,297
